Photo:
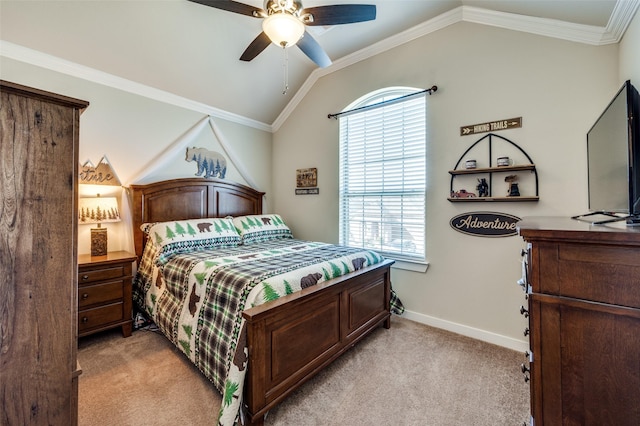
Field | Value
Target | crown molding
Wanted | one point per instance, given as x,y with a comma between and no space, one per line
540,26
619,20
53,63
621,16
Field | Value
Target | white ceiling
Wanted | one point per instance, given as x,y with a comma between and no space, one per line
176,47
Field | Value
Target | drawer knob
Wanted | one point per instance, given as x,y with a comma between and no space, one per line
85,319
85,277
526,331
524,369
524,312
85,296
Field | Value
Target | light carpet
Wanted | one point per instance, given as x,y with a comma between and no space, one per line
411,374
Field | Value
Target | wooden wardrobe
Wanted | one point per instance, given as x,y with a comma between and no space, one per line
38,252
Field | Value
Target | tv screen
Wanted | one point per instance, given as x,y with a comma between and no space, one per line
608,158
613,156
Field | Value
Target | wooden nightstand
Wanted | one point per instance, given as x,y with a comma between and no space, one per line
104,292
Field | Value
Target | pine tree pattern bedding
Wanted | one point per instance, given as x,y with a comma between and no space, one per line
197,298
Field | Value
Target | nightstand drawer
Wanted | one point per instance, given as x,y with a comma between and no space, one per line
100,274
100,316
104,292
100,293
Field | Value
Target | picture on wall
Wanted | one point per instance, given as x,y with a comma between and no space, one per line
307,178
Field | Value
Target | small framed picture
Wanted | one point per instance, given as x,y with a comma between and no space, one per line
306,178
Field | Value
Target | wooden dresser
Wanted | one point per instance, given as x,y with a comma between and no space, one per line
584,319
38,245
104,292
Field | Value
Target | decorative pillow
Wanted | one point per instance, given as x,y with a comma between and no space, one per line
193,234
258,228
146,226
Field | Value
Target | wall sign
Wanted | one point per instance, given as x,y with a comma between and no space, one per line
307,178
491,126
102,174
485,224
307,191
307,181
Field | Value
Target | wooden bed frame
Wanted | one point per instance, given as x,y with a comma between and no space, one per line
294,337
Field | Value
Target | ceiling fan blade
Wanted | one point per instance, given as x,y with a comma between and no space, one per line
313,50
256,47
340,14
233,6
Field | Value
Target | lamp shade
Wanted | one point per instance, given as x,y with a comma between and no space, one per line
98,210
283,29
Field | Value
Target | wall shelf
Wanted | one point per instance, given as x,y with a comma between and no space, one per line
490,171
481,199
517,168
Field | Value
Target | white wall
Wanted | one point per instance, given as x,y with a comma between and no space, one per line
132,130
629,57
483,74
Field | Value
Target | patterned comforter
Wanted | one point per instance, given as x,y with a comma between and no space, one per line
197,299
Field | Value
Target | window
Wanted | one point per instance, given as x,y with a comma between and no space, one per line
382,174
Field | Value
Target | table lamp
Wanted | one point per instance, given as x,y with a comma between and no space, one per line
98,210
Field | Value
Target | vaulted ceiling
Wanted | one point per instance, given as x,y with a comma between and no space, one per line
188,53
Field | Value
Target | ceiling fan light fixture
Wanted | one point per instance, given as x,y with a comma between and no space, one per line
283,29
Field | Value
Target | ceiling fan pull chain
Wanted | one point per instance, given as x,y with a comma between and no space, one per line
285,66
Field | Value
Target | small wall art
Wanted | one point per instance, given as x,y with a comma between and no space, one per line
307,181
306,178
102,174
211,163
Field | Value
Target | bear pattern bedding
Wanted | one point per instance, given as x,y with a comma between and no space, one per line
196,294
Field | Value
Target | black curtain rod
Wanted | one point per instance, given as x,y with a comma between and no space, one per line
379,104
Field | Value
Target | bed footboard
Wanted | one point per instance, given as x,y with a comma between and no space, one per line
293,338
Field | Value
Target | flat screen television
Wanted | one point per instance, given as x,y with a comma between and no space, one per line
613,159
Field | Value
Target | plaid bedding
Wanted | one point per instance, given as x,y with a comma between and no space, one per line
197,298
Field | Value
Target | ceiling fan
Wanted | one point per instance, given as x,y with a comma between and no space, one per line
285,20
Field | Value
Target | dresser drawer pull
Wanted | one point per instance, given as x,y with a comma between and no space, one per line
85,296
526,331
524,312
85,319
85,277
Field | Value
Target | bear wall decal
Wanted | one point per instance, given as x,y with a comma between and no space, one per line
211,163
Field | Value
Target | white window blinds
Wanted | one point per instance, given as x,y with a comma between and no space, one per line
383,178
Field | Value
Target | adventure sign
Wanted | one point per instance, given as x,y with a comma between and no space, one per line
485,224
491,126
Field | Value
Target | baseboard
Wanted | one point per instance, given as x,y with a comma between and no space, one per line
475,333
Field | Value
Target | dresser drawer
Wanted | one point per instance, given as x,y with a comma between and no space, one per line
100,274
596,273
102,315
100,293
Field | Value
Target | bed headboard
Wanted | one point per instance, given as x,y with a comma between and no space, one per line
191,198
